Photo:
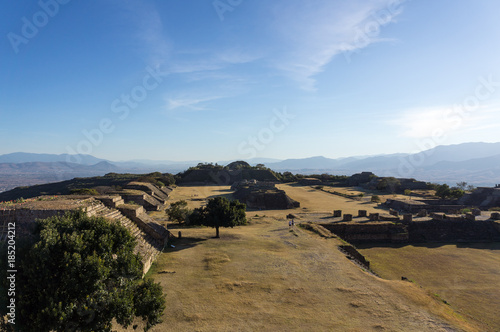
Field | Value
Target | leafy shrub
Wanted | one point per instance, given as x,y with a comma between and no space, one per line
178,211
375,199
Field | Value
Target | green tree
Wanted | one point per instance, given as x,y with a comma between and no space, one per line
80,273
220,212
178,211
443,191
456,193
375,199
390,183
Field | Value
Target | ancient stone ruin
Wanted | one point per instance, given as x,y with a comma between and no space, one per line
262,195
151,237
482,197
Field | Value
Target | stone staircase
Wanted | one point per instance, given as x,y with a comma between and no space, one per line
147,246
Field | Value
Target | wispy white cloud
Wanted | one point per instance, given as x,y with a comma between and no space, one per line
299,39
190,103
208,60
149,31
314,33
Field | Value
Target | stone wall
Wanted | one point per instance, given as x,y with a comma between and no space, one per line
24,220
414,206
374,232
445,230
353,253
453,231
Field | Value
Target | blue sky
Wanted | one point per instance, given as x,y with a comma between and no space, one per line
236,79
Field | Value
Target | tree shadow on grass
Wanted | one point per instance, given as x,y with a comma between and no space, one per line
183,243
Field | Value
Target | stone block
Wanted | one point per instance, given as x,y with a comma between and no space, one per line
495,216
422,213
476,212
347,217
393,212
469,216
362,213
407,218
374,216
337,213
438,215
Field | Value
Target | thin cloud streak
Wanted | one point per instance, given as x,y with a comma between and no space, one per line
193,104
316,34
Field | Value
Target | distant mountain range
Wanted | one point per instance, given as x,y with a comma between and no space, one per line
475,163
23,157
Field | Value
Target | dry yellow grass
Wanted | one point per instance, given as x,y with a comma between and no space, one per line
467,276
314,200
268,277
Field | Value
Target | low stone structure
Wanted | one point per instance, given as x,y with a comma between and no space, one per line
360,178
483,197
430,205
263,196
374,216
362,213
337,213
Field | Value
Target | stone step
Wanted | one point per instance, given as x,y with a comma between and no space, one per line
147,247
